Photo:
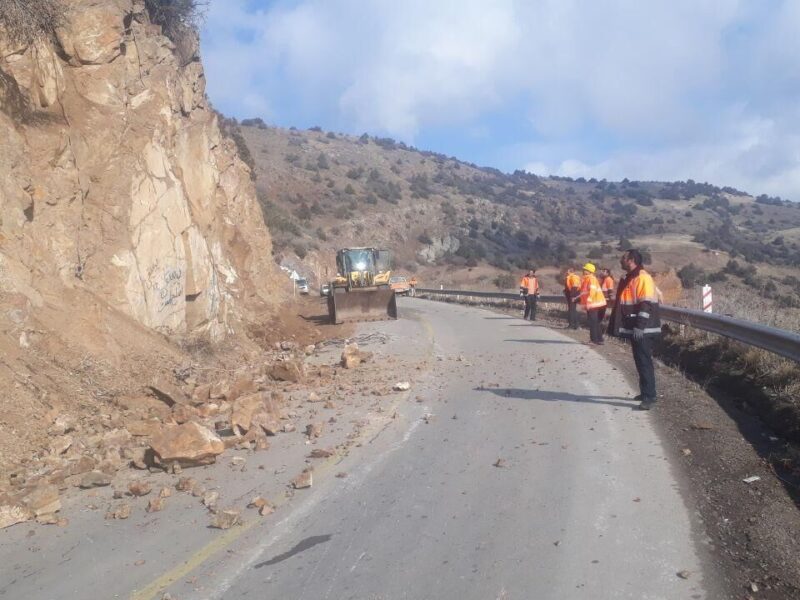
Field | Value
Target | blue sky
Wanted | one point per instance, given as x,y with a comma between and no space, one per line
606,88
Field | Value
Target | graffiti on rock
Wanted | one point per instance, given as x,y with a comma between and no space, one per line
170,288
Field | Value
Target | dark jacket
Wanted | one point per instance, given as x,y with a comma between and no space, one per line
636,306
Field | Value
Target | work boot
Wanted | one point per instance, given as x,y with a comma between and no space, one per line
647,404
638,397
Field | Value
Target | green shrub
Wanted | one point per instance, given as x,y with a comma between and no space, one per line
690,275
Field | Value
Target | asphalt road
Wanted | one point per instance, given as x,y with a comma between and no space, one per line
515,469
531,477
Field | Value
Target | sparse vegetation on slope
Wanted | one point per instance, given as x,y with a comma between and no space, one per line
437,210
26,20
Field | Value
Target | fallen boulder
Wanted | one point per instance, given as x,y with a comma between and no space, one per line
11,514
225,519
291,370
304,480
244,409
242,386
94,479
352,356
167,392
188,445
42,500
139,488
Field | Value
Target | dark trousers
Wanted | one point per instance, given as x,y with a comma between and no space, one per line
603,313
643,358
530,308
572,312
593,315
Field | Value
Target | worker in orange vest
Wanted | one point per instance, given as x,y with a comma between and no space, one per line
593,300
572,292
529,290
608,285
636,316
524,283
412,284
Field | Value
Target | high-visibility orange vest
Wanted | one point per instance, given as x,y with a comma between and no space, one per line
524,282
591,294
641,288
572,281
533,287
637,306
608,286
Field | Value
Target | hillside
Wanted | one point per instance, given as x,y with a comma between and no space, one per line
451,221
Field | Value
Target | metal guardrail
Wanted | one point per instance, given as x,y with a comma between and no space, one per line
779,341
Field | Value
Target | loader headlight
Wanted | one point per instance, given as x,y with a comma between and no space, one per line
361,266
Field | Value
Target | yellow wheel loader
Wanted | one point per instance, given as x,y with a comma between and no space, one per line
360,291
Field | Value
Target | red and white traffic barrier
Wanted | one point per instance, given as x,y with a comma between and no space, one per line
708,303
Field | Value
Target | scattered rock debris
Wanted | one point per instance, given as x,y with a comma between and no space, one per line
226,518
303,480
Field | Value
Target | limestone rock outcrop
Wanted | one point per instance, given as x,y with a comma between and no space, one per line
115,181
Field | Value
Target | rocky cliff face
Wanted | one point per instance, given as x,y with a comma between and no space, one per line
129,229
115,184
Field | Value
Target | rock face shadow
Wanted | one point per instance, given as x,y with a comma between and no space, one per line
301,546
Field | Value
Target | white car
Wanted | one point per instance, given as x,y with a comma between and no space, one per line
301,285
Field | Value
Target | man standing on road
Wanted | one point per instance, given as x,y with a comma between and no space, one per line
635,316
531,295
593,301
572,292
524,285
412,284
607,285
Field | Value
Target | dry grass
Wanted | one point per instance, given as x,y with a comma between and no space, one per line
26,20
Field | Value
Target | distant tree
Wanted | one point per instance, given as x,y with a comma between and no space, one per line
300,250
595,252
322,161
424,238
690,275
624,244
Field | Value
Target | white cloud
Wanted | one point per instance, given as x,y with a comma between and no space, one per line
664,88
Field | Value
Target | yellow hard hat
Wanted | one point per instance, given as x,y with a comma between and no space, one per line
589,267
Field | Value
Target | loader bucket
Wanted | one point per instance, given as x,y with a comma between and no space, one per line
362,305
